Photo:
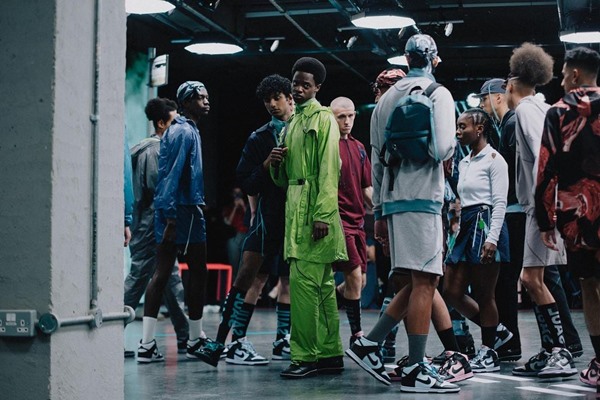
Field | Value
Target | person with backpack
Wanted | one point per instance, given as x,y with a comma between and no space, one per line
568,185
408,219
482,241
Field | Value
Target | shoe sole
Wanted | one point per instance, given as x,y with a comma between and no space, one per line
243,362
512,358
460,377
561,374
577,354
532,373
149,360
587,382
330,371
408,389
364,366
295,376
280,358
493,369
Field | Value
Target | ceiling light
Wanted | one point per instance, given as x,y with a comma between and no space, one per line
213,48
274,46
381,20
448,29
351,42
147,6
398,60
473,100
580,37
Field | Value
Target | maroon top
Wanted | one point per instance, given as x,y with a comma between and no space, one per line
355,176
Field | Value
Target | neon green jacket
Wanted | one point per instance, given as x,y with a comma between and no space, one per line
311,171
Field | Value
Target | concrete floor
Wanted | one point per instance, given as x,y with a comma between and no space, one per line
178,378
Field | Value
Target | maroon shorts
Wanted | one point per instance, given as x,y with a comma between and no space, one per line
356,244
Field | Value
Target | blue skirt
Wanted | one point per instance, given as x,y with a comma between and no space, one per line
468,244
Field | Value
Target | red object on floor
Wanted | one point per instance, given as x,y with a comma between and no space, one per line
216,267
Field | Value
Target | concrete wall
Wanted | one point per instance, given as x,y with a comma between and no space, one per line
46,98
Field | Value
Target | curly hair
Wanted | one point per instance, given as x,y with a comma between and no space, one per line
583,58
272,85
531,65
311,66
159,109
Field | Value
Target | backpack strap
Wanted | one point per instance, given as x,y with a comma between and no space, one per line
428,92
431,88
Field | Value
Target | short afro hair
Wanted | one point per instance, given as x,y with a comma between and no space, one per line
311,66
159,109
583,58
531,65
272,85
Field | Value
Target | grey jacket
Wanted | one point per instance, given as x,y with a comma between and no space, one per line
416,187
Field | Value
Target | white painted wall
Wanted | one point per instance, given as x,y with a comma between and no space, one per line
46,98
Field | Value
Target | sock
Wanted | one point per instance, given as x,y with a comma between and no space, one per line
476,319
596,345
233,301
488,336
382,327
390,339
552,318
353,313
416,348
283,320
448,339
545,335
148,326
241,321
195,328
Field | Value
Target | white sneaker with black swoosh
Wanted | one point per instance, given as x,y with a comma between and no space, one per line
366,354
242,352
559,364
486,360
422,378
534,365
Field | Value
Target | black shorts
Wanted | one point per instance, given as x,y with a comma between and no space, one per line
583,264
267,239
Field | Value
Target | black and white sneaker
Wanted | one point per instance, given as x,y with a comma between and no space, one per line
422,378
148,352
193,346
503,335
560,364
242,352
367,355
281,349
486,360
534,365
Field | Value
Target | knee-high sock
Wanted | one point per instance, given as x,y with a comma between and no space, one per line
283,320
233,301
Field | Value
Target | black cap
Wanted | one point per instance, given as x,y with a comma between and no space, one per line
492,86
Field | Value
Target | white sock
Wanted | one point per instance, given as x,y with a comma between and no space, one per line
195,328
148,326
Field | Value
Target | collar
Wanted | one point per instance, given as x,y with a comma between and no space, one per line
419,72
485,151
300,108
277,124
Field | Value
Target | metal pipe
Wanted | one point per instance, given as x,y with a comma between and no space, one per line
316,42
94,118
50,323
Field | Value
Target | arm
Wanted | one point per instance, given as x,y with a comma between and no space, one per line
367,186
444,122
252,171
547,178
328,161
376,166
174,161
499,185
277,166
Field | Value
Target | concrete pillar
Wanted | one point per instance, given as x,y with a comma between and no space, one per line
47,82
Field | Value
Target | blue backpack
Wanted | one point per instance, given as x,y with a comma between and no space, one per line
410,129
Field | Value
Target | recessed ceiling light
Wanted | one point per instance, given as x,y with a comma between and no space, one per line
213,48
147,6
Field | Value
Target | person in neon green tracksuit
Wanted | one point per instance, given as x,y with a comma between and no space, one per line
308,164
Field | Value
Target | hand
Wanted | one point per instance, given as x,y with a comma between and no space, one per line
127,236
382,235
276,157
320,230
488,253
170,233
549,239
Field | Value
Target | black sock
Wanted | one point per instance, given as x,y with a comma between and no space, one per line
552,318
488,336
448,339
545,334
596,345
283,320
234,300
241,321
353,313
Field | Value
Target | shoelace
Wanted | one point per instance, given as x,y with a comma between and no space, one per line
553,360
249,348
479,356
432,372
446,366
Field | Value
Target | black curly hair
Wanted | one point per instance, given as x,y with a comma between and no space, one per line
159,109
531,65
312,66
583,58
272,85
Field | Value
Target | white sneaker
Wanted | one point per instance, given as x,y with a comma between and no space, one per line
367,355
148,352
503,335
281,349
559,364
422,378
242,352
486,360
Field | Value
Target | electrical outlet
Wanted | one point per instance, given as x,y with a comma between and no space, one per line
20,323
